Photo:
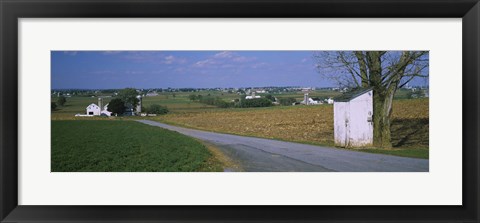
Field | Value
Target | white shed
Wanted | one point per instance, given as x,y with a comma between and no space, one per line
93,109
353,118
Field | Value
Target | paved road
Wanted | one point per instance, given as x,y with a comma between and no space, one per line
265,155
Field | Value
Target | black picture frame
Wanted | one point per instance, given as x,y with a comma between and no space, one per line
12,10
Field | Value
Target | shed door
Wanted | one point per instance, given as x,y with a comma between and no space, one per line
347,125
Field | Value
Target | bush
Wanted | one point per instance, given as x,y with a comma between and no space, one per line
61,100
53,106
255,102
223,104
157,109
192,97
216,101
270,97
287,101
116,106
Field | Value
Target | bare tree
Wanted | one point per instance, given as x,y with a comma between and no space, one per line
383,71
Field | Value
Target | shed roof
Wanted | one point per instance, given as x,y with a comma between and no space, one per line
348,96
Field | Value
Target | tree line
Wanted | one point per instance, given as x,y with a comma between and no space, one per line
265,101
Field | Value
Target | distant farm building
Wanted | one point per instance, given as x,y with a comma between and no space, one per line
139,105
330,101
353,118
104,111
93,109
151,94
309,101
96,110
252,96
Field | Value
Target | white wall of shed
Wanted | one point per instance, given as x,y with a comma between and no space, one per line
340,112
361,130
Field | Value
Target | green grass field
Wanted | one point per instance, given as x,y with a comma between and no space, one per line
125,146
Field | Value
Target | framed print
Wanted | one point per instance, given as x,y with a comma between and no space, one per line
239,111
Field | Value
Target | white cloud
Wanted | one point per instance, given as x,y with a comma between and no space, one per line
243,59
260,65
224,54
207,62
224,59
171,60
153,57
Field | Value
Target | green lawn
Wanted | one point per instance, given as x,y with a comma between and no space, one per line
125,146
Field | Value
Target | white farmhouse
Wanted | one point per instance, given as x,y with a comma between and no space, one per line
253,96
308,100
93,109
353,118
330,101
151,94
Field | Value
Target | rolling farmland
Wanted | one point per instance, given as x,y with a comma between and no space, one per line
305,124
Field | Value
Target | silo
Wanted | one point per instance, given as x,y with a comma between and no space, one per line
100,100
139,105
305,99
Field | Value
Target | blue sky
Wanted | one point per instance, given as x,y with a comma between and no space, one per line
183,69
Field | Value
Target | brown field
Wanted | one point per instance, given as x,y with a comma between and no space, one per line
307,124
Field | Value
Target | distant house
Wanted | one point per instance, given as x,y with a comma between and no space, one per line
330,101
353,118
151,94
93,109
308,100
252,96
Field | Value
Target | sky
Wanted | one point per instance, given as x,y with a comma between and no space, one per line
183,69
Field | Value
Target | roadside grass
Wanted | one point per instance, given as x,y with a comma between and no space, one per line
227,163
421,153
125,146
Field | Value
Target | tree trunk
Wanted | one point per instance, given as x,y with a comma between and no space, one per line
363,68
382,112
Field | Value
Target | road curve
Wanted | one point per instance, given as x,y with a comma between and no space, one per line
266,155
